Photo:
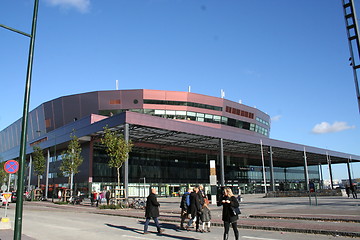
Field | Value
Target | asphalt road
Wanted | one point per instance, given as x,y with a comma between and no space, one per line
44,223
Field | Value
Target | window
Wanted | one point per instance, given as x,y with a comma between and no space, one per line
181,103
209,118
239,112
180,114
48,123
159,112
217,119
191,116
115,101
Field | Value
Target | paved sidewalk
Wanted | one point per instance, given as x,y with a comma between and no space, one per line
331,216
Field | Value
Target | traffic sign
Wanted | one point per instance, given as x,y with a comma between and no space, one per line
11,166
6,196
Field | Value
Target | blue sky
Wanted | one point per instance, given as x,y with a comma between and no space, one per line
287,58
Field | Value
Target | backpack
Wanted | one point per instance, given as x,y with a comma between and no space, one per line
185,199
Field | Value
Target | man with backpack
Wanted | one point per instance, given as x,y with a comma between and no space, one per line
184,205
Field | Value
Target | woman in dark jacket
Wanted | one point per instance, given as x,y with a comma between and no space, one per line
152,211
228,202
195,208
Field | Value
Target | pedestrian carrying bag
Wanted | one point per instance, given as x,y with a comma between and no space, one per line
236,210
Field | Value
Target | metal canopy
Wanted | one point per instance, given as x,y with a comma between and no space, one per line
177,138
174,136
166,139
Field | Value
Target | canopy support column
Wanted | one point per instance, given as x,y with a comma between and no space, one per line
349,171
47,175
126,165
330,171
30,169
272,180
222,165
306,172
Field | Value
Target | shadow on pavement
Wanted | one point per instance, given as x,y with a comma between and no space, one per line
164,225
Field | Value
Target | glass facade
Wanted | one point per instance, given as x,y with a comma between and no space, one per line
175,168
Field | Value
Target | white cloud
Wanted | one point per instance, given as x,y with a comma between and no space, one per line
81,5
276,118
326,127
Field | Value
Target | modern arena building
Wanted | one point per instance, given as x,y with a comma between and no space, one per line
175,135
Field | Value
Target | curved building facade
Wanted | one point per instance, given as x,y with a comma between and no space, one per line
175,135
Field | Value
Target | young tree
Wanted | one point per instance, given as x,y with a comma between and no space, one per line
3,174
39,162
117,149
71,159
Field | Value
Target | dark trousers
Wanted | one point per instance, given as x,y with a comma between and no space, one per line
354,194
184,216
227,227
156,221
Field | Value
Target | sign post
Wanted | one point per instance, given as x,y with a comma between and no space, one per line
10,167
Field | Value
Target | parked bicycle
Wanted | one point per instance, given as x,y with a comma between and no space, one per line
137,204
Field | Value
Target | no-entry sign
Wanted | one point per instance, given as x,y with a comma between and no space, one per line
11,166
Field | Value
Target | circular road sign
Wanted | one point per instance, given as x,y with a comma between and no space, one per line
11,166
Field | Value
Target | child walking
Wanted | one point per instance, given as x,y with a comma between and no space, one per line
205,217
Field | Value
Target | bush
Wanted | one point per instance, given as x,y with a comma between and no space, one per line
61,203
111,206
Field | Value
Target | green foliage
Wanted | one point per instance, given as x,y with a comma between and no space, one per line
111,206
38,162
116,148
61,203
71,158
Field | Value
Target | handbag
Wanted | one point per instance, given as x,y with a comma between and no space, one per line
236,210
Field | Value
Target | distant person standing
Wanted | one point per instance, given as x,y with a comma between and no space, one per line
228,202
107,196
152,211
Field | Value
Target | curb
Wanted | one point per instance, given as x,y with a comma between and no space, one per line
306,218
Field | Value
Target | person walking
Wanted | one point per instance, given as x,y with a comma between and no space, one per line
202,195
152,211
184,205
107,196
229,202
195,209
205,217
347,190
353,190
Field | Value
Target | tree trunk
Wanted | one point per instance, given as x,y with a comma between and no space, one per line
38,181
118,178
69,180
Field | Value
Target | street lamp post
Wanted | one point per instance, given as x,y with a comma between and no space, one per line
20,190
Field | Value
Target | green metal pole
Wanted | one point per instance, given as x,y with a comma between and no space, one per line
20,189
